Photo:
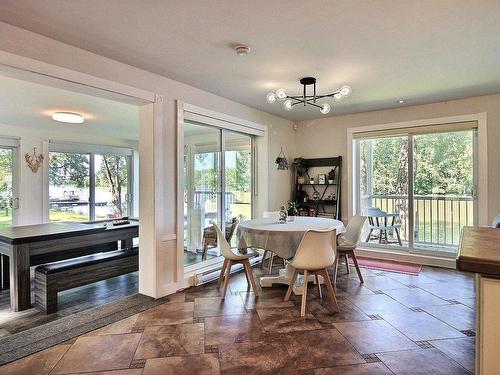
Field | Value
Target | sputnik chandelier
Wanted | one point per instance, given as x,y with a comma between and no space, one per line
291,101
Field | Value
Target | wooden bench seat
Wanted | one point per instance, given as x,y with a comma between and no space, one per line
55,277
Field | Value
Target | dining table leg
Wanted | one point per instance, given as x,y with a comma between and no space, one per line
19,269
4,271
285,277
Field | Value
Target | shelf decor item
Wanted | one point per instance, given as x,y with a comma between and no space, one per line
331,176
301,168
281,161
322,179
311,181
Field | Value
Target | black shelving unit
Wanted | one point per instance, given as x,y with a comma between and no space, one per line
322,206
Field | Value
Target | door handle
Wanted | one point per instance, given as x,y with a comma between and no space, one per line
15,203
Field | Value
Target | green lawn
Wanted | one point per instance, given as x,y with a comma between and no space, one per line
55,216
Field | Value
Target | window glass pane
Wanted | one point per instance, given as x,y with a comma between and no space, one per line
384,190
238,179
5,187
202,203
69,186
111,186
443,186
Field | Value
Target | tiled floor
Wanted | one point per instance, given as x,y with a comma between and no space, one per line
393,324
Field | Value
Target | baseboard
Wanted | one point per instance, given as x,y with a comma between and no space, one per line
409,258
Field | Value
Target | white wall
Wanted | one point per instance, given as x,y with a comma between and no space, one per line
328,136
27,44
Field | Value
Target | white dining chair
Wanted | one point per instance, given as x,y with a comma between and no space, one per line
269,215
316,252
347,243
231,258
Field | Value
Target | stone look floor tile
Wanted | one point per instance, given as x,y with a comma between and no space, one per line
39,363
322,311
363,369
377,304
171,340
326,347
130,371
259,357
420,326
232,328
458,316
99,353
203,364
421,362
172,313
265,301
214,306
374,336
382,283
413,297
287,320
122,326
460,350
268,336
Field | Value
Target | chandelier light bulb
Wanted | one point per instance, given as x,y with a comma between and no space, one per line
288,104
280,94
271,97
345,90
338,96
325,108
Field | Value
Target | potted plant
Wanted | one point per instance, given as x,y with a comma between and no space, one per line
292,208
331,177
301,168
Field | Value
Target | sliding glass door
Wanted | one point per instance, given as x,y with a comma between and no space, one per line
8,199
217,186
416,188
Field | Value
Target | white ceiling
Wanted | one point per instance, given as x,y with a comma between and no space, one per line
421,51
30,105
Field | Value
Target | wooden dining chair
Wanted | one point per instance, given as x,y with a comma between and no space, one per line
347,243
210,236
317,251
231,258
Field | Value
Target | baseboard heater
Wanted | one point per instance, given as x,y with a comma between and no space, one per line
212,275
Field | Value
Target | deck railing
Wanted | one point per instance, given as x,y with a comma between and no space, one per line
438,218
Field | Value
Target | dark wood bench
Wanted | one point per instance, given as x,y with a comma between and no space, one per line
55,277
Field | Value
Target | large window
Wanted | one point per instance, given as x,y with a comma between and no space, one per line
416,187
217,186
89,186
7,199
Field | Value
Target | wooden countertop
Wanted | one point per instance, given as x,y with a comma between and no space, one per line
479,250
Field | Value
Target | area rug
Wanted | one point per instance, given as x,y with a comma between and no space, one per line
388,265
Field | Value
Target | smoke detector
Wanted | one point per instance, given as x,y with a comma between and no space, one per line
241,49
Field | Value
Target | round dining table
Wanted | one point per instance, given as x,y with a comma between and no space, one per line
282,239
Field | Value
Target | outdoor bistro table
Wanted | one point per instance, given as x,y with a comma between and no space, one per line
30,245
282,239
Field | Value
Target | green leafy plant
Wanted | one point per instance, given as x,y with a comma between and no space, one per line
292,208
300,165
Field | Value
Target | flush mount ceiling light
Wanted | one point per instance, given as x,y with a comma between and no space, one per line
69,117
291,101
241,49
401,101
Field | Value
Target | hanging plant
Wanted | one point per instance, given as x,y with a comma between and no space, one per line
281,161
